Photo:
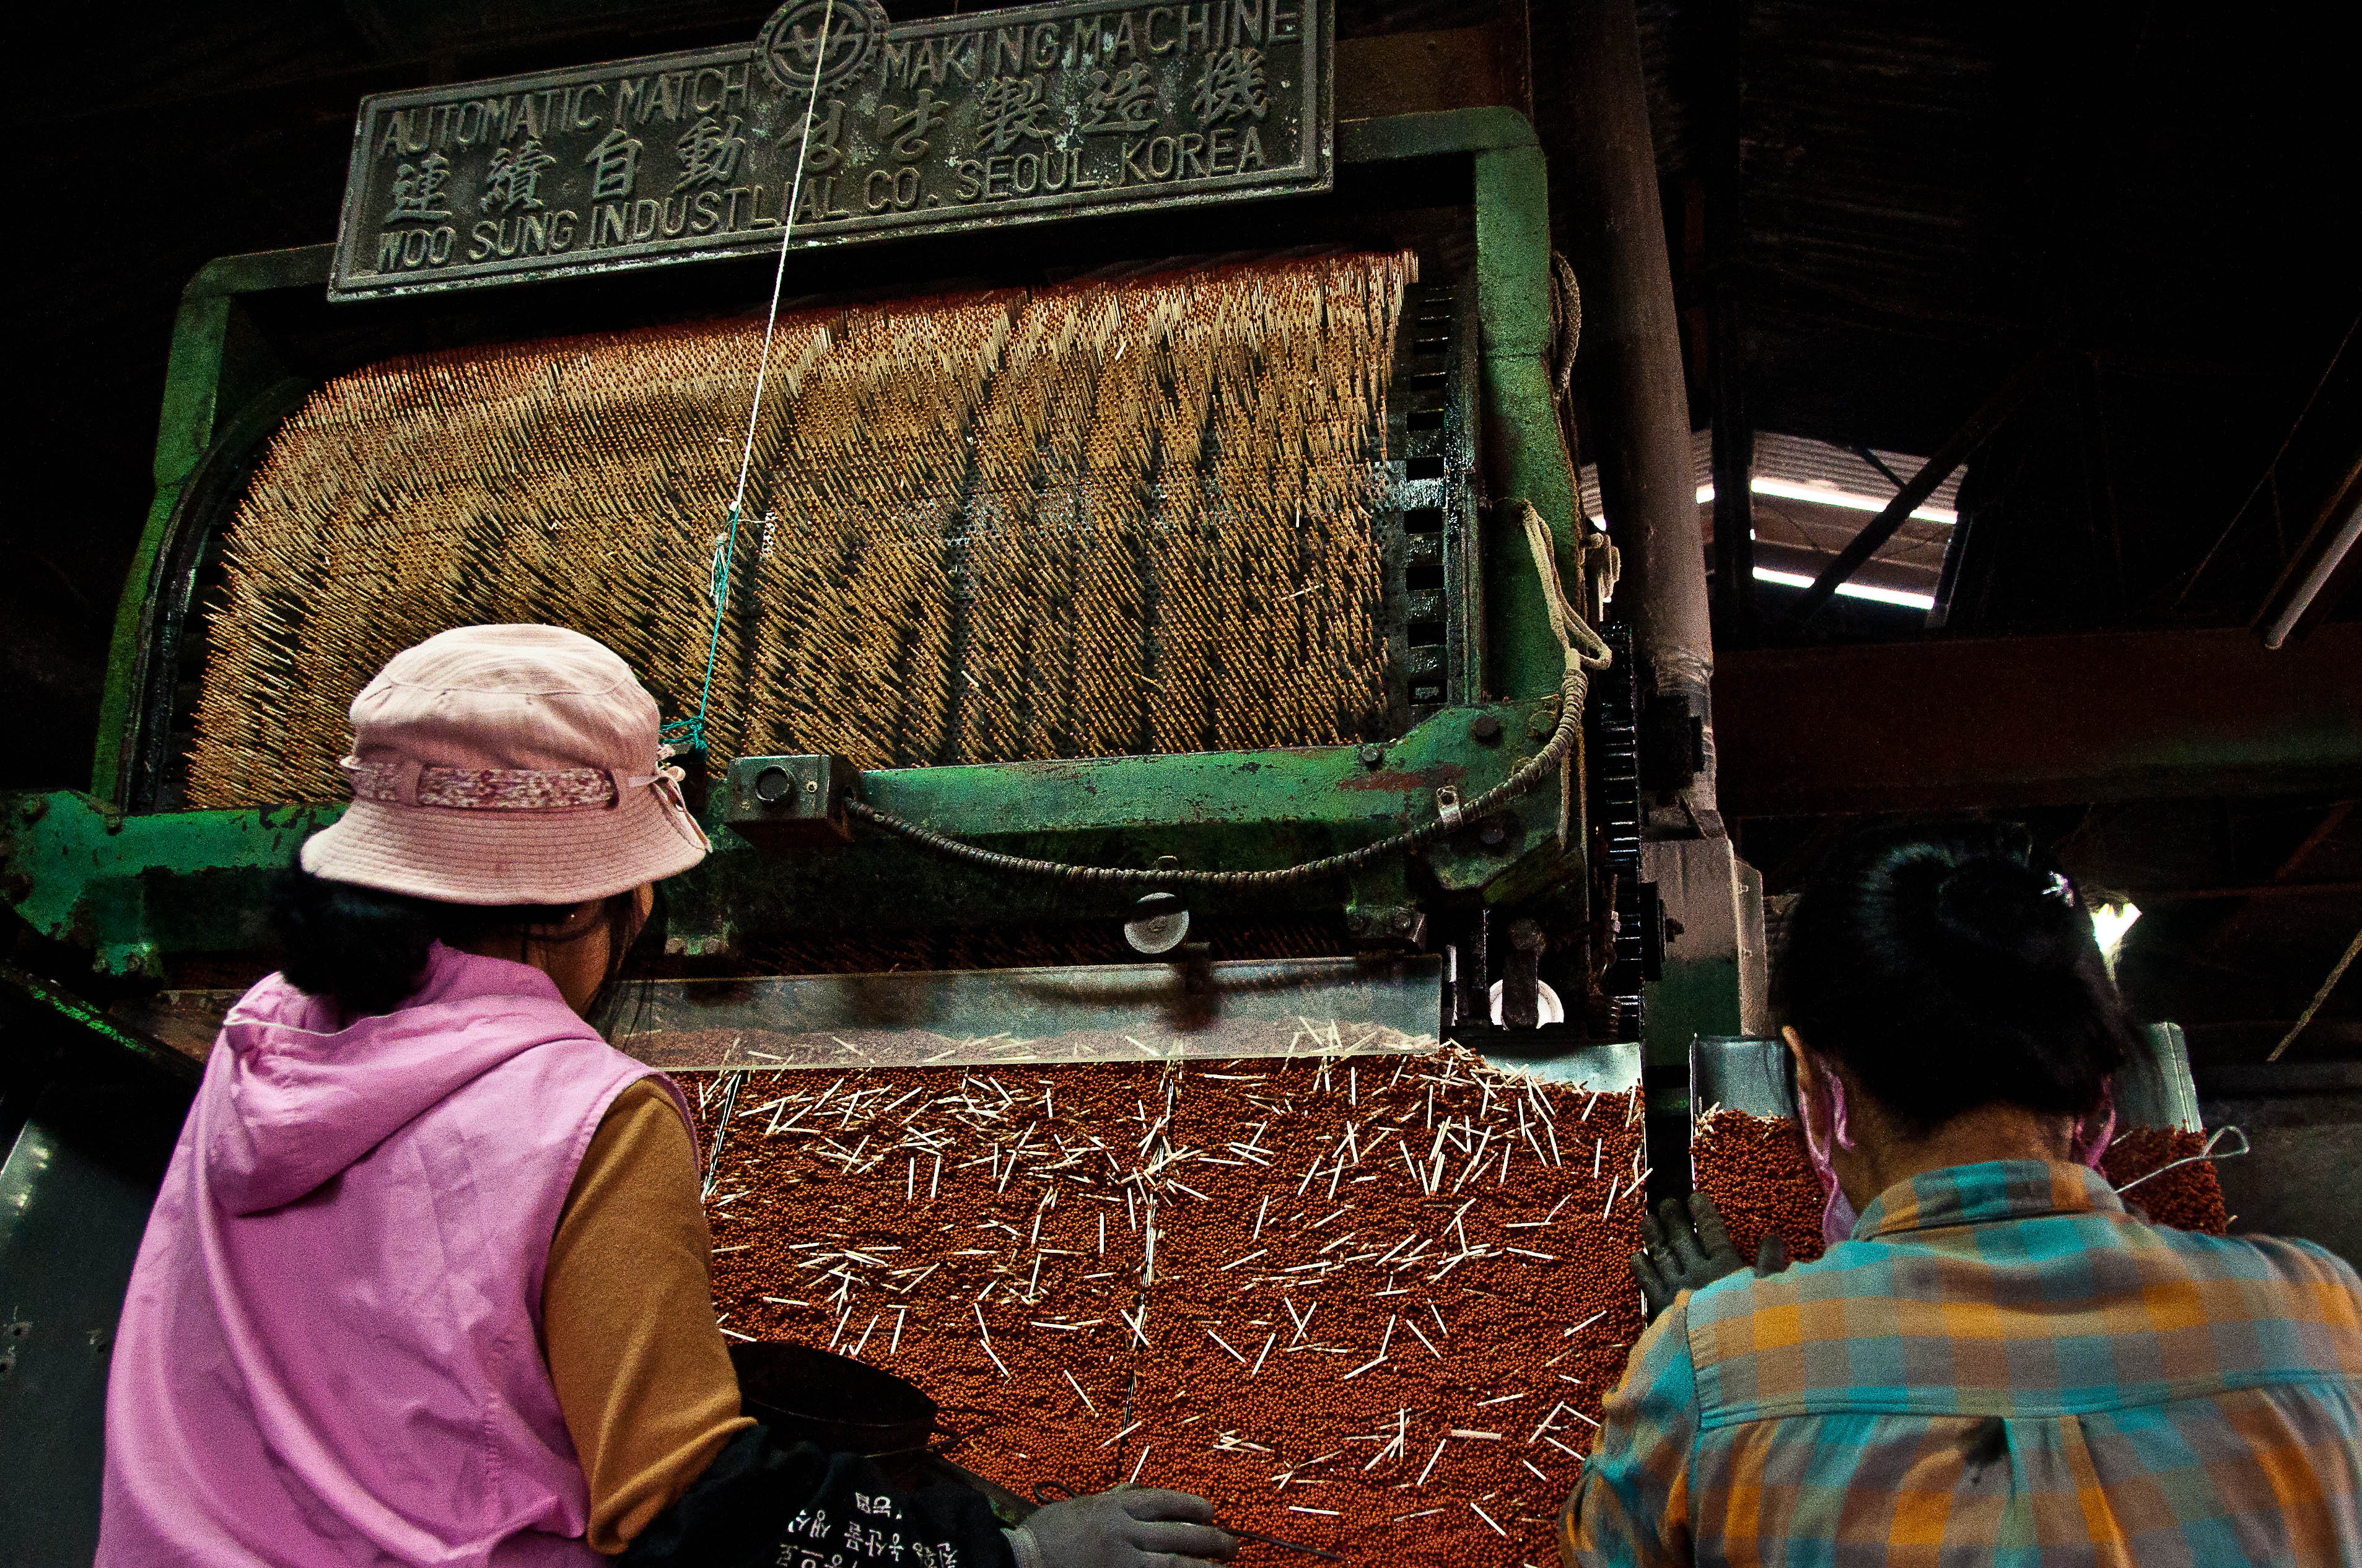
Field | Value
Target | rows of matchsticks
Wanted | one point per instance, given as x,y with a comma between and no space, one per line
1366,1303
1091,519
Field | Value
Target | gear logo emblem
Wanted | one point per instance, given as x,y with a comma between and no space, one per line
835,39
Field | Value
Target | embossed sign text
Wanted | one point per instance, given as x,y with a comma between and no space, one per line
855,126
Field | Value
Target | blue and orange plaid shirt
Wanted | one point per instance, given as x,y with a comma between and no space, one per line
2001,1368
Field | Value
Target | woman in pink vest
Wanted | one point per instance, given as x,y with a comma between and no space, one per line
426,1283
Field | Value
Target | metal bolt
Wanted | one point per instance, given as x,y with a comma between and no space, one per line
772,784
1371,755
1494,834
1486,729
1405,918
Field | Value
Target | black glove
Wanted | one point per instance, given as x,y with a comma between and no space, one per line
1123,1529
763,1503
1686,1250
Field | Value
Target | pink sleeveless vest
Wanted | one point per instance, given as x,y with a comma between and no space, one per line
330,1350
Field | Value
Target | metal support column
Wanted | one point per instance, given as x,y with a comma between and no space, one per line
1639,406
1631,362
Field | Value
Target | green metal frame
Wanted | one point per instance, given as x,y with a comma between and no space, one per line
133,889
44,1001
223,388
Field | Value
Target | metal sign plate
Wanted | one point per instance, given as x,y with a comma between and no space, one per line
949,124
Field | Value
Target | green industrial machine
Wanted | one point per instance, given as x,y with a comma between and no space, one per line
144,903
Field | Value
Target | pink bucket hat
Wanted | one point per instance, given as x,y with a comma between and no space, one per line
507,764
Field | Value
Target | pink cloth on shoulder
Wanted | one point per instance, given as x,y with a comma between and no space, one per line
330,1351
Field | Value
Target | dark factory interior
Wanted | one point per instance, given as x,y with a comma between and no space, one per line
1997,365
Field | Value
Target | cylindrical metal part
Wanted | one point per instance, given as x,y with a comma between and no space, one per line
1631,356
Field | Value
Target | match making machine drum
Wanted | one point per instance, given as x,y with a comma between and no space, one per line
1128,626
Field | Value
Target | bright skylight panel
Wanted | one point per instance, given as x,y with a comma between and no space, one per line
1830,496
1852,590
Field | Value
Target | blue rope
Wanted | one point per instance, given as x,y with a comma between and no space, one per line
689,734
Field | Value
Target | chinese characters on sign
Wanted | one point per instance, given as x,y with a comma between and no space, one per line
950,123
514,178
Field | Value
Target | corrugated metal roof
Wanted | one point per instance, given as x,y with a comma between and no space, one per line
1802,462
1812,498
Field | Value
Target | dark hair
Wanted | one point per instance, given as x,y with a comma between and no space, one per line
1949,967
366,950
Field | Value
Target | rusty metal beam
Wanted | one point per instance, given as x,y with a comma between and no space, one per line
2282,881
2323,832
2038,720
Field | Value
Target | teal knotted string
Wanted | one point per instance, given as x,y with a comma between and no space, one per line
689,734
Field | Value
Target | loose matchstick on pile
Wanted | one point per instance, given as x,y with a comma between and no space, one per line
1369,1303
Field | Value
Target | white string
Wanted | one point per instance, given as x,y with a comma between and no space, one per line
779,273
2318,997
1569,628
2206,1152
1574,634
691,733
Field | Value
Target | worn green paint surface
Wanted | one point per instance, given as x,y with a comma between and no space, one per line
221,372
1523,447
80,1015
133,889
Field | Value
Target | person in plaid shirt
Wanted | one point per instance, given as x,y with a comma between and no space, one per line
1998,1361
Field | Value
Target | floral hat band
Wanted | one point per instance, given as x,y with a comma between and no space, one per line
503,789
508,765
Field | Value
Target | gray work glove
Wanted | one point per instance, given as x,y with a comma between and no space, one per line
1688,1249
1123,1529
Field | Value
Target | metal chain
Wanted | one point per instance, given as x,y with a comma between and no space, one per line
1572,691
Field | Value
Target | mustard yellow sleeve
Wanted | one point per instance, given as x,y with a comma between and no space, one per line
642,1375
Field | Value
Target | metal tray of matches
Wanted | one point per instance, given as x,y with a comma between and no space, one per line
1740,1072
1363,1305
1604,1069
2157,1091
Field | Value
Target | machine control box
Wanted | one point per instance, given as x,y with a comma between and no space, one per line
792,803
